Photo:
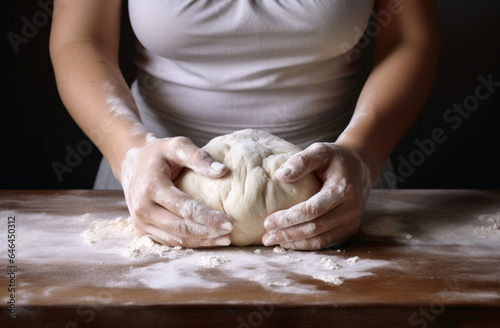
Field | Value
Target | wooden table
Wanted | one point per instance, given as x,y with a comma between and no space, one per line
422,258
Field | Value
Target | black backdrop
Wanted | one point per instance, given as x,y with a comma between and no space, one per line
444,149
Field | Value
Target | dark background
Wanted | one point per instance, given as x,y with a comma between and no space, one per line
36,131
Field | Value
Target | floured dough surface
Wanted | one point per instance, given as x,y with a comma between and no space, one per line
248,192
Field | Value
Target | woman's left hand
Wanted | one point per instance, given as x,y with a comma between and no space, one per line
332,215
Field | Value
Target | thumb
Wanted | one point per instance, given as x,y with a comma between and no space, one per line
209,167
302,163
187,154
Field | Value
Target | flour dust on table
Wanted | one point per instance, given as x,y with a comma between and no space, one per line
473,229
453,254
186,268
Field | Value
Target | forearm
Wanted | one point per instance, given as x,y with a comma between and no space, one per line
97,97
389,103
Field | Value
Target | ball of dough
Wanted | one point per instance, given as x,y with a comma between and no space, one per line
248,192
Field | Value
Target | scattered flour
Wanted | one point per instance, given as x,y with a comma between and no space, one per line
212,261
417,224
176,267
279,250
330,279
353,260
108,230
489,226
386,227
333,264
489,218
487,231
330,264
145,245
278,284
120,230
50,241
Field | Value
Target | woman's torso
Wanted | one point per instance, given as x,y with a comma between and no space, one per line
209,67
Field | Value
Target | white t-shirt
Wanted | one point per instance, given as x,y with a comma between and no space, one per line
211,67
207,67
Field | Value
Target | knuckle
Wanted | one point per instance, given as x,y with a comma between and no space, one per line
318,243
311,229
303,160
178,142
179,242
325,243
172,239
139,213
321,147
285,235
308,244
182,228
312,210
318,146
150,186
316,229
201,156
138,226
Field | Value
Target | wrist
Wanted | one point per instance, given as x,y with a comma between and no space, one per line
119,143
365,152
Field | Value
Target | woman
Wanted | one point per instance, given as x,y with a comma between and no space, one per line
207,68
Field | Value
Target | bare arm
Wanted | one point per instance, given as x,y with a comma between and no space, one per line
405,61
84,51
84,46
406,53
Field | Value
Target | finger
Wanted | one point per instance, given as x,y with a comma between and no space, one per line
331,237
301,163
184,152
165,238
179,203
175,225
331,220
325,200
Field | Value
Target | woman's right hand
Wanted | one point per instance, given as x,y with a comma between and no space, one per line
160,210
84,50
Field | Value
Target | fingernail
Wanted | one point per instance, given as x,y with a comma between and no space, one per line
217,166
223,241
227,226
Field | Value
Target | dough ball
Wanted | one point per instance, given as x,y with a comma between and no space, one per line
248,192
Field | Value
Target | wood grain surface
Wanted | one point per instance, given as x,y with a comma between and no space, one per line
422,258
